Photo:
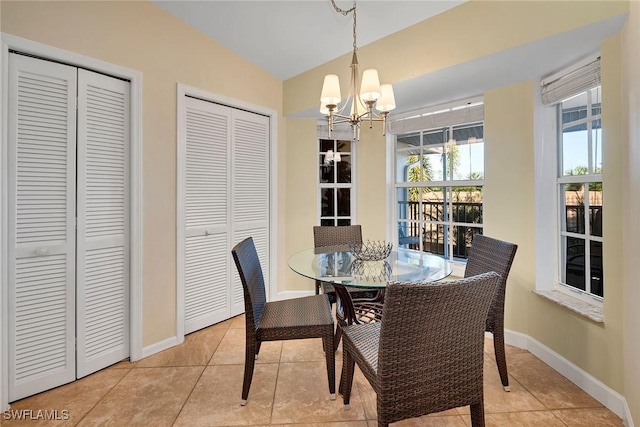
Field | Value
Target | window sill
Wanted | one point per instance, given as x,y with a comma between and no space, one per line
583,308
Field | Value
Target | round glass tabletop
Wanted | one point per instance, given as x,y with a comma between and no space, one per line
338,265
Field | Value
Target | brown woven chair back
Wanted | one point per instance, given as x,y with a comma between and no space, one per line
488,254
250,271
430,355
339,235
338,238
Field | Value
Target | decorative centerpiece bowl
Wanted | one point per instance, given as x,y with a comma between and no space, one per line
371,250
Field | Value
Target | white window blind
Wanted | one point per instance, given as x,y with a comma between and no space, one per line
460,112
569,82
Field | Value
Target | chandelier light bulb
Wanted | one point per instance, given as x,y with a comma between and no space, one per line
387,100
370,87
330,90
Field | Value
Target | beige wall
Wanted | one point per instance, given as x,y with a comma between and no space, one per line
473,30
371,187
631,237
509,189
143,37
302,195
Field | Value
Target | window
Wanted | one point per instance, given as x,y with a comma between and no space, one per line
580,189
439,179
573,99
335,182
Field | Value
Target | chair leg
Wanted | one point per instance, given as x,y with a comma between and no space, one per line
317,288
330,357
501,359
477,415
258,344
346,378
249,362
337,338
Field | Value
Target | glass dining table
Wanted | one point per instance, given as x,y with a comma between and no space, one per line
339,266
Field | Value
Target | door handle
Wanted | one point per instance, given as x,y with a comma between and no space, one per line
42,251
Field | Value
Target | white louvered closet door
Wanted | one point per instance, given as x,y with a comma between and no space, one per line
102,225
206,246
41,181
250,192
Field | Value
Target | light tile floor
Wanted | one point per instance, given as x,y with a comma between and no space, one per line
198,383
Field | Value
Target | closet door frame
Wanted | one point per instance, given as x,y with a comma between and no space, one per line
10,42
182,92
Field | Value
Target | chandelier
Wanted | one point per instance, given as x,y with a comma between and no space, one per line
362,97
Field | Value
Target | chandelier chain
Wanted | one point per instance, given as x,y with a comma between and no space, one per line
345,12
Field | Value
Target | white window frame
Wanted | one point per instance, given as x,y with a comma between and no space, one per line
454,116
548,218
561,180
338,134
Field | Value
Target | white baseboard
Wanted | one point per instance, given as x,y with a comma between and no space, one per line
159,346
628,421
611,399
173,341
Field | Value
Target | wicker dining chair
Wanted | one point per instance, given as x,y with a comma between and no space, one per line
426,354
366,303
335,236
296,318
488,254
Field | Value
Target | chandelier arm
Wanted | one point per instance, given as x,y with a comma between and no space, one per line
374,116
370,115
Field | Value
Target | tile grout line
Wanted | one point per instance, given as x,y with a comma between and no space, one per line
199,377
105,395
547,409
189,395
275,387
545,405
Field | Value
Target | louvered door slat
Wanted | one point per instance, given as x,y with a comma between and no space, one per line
103,240
260,239
207,130
250,191
251,171
206,296
41,160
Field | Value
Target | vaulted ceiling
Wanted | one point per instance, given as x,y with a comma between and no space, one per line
287,38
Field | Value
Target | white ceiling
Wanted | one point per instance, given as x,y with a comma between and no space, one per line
287,38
